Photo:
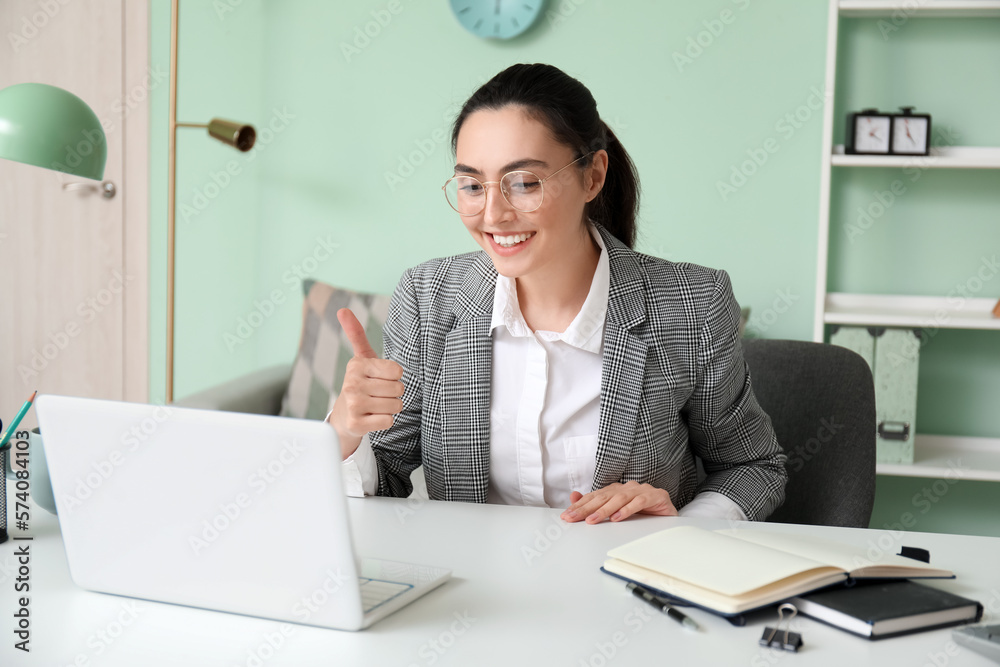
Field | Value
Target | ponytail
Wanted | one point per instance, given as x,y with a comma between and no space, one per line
617,204
569,110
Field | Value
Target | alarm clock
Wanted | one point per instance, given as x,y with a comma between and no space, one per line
868,133
497,19
911,132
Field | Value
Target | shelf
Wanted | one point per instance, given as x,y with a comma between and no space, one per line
945,157
909,311
923,9
949,457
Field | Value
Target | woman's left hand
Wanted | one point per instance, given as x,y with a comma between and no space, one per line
618,502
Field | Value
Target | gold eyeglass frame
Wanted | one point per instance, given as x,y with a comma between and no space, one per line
541,181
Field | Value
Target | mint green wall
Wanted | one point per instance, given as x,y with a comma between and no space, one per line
346,120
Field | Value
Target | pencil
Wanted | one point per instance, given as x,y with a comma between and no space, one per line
17,419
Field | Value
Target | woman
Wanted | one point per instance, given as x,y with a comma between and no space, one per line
557,367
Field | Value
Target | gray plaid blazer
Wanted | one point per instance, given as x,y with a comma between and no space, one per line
674,384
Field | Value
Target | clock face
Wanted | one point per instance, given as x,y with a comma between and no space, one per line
871,134
498,19
909,135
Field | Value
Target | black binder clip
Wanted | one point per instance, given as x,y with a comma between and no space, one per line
786,640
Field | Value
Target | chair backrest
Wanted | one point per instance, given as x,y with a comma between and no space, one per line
821,400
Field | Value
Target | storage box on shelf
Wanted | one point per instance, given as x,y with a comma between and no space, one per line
894,356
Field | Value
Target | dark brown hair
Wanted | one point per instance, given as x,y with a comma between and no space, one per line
569,111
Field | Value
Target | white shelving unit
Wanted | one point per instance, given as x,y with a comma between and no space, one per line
909,311
924,9
953,157
944,457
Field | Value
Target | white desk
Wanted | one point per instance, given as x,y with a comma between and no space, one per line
526,591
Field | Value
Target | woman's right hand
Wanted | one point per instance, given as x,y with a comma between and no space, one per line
372,391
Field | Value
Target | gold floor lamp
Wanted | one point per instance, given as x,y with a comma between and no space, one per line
238,135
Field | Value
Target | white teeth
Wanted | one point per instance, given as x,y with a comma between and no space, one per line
511,241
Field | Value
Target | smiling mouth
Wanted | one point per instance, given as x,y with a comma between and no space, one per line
511,241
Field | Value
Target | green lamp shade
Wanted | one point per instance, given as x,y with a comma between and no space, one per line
51,128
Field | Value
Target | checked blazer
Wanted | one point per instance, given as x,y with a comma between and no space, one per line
673,386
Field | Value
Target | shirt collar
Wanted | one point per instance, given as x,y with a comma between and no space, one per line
586,331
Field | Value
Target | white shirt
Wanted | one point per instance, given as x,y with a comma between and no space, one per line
544,408
545,404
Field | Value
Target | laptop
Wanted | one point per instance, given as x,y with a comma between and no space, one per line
219,510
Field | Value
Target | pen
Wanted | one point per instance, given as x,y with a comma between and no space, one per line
17,420
660,605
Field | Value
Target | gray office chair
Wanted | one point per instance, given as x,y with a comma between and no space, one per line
821,400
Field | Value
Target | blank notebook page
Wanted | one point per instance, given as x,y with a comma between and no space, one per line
844,556
712,560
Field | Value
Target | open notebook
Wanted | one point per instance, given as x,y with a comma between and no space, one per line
733,571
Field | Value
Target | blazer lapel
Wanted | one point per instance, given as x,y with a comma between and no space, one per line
624,363
466,380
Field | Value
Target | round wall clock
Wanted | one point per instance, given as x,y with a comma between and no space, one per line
497,19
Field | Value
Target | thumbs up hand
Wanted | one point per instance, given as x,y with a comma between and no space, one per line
372,390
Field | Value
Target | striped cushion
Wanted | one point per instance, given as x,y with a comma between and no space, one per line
318,372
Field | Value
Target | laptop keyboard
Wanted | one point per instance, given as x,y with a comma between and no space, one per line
375,592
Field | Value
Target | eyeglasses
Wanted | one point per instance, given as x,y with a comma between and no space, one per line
523,190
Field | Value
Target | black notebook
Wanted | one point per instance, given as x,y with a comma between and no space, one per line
879,609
